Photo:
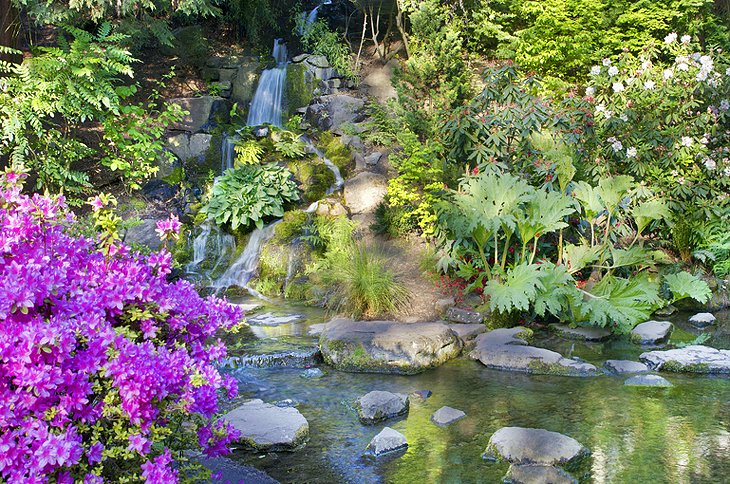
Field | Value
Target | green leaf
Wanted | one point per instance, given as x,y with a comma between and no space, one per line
622,303
577,257
646,212
684,285
518,289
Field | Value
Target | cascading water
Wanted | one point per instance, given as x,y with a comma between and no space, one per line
228,153
267,101
210,244
339,181
243,270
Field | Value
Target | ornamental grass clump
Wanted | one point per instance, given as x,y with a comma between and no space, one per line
107,370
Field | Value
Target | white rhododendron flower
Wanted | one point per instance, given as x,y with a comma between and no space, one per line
600,108
618,87
590,91
668,74
724,105
624,117
686,39
687,141
630,80
606,62
726,171
670,38
612,71
683,67
595,70
631,152
649,85
617,146
710,164
646,65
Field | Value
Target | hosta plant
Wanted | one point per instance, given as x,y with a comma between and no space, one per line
248,195
107,370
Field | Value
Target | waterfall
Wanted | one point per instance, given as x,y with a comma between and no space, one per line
243,270
266,103
312,17
211,243
228,153
339,182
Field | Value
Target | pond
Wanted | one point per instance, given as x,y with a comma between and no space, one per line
680,434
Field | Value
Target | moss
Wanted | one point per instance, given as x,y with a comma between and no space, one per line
176,177
677,367
291,226
272,269
526,334
336,152
542,368
313,178
299,91
300,290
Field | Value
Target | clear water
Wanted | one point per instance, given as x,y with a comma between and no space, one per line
267,100
676,435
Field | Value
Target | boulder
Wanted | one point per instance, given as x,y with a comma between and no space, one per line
365,191
243,85
702,320
387,346
353,142
506,349
377,406
442,305
266,427
647,381
526,446
231,471
316,329
189,147
379,83
201,113
691,359
457,315
446,416
651,332
333,110
144,234
359,161
330,207
537,474
581,333
373,158
620,367
468,332
387,441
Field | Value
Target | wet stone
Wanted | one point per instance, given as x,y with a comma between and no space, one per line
580,333
446,415
468,332
647,381
537,474
619,367
377,406
651,332
266,427
312,373
518,445
458,315
270,319
422,394
691,359
387,441
702,320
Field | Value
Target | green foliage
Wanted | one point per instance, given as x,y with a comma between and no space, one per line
248,152
288,144
291,226
249,194
683,285
319,39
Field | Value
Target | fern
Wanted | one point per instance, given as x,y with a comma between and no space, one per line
248,152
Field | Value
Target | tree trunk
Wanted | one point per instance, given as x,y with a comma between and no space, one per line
9,29
401,27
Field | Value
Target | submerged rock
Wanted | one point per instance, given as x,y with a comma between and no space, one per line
312,373
647,381
537,474
457,315
446,416
692,359
271,319
387,346
231,471
619,367
702,320
526,446
266,427
506,349
422,394
651,332
377,406
387,441
580,332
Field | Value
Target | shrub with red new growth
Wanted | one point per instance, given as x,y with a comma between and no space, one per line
107,370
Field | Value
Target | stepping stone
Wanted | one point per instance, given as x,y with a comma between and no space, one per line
648,381
506,349
312,373
422,394
266,427
620,367
702,320
691,359
526,446
387,441
377,406
651,332
387,346
537,474
446,415
580,333
468,332
457,315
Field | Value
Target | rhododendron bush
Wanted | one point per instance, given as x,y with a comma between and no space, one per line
107,370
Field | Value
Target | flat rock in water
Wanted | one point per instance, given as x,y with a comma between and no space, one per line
691,359
387,346
620,367
702,320
266,427
446,415
647,381
316,329
506,349
537,474
518,445
580,333
271,319
458,315
377,406
468,332
651,332
388,440
233,472
312,373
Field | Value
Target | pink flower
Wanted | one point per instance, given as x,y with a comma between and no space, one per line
96,203
168,229
139,443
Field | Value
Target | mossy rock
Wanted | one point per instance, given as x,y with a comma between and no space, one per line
299,89
313,178
339,154
291,226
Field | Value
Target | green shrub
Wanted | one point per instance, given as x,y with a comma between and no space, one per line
249,194
317,38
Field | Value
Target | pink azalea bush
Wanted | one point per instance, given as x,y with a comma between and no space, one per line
106,368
